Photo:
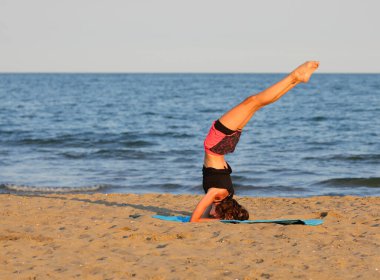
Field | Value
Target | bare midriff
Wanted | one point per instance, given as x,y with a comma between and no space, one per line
217,162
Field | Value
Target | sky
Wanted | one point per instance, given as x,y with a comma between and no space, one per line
219,36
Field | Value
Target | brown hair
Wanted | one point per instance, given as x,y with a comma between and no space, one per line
230,209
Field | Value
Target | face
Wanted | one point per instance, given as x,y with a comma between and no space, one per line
213,212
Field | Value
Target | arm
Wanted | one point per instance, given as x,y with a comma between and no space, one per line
205,202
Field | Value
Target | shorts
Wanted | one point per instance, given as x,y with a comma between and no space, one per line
219,143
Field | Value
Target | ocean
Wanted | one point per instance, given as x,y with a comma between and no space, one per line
143,133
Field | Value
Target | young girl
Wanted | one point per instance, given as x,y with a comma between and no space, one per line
222,139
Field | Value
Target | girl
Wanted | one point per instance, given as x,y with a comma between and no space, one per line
222,139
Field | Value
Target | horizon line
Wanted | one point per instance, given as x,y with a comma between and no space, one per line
169,72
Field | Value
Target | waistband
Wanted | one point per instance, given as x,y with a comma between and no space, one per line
211,170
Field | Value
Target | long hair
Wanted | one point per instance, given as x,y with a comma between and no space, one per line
230,209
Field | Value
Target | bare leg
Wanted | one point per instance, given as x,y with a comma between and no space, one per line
240,115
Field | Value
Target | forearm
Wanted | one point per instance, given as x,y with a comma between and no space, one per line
277,90
201,220
202,206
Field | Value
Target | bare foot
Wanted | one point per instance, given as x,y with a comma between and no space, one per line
303,72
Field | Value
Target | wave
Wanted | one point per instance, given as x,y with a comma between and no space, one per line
278,188
370,158
371,182
43,189
359,157
168,135
318,119
81,142
137,143
83,139
121,154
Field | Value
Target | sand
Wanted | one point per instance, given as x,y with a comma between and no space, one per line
100,236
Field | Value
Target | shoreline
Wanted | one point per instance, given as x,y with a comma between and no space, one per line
26,190
100,236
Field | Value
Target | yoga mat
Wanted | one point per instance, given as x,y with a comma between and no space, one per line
186,219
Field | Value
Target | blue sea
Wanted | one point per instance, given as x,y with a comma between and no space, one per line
143,133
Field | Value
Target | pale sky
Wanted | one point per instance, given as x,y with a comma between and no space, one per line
188,36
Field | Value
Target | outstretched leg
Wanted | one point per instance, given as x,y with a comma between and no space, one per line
240,115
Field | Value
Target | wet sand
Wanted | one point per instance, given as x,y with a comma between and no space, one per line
100,236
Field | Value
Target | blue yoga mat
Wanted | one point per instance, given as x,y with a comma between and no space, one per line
186,219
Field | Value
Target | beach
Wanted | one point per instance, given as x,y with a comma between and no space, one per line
119,120
113,236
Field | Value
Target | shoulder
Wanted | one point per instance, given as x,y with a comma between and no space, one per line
217,193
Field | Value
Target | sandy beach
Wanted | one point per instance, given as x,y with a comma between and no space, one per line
113,236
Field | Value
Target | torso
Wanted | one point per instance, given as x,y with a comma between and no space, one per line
217,162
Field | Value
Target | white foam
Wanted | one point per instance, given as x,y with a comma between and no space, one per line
23,188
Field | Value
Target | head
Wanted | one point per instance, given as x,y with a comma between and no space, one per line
230,209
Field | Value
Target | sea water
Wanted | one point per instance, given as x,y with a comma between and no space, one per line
143,133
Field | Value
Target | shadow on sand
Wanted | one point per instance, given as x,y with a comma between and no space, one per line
157,210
